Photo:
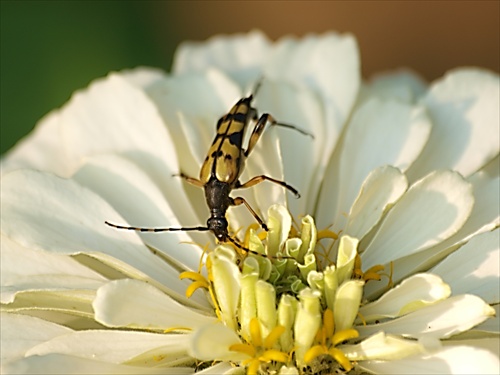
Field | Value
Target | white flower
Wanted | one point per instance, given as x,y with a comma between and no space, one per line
407,174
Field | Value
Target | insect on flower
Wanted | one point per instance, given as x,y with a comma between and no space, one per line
223,165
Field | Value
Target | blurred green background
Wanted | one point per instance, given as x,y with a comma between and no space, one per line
49,49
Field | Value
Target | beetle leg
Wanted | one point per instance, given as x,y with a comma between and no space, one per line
191,180
258,179
259,128
240,200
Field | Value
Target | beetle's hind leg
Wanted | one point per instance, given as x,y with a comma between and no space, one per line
258,179
191,180
240,200
259,129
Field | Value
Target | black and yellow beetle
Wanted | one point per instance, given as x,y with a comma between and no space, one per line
221,170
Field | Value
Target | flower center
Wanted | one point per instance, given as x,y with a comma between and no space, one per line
282,307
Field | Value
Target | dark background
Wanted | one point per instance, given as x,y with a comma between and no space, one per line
51,48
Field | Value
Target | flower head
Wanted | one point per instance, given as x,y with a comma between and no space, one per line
387,264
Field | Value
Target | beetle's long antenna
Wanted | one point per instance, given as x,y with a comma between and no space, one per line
140,229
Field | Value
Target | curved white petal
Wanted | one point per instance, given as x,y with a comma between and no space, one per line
240,55
492,325
44,212
67,365
204,347
136,304
226,283
463,107
143,77
225,368
451,360
432,209
347,300
440,320
140,201
380,190
40,271
381,347
286,154
474,268
113,115
42,149
403,85
413,293
19,333
190,106
329,66
484,217
379,133
491,344
113,346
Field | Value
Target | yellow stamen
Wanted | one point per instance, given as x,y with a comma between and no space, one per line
344,335
274,355
339,356
363,320
327,233
273,336
173,329
194,286
255,332
243,348
254,367
314,352
371,276
195,276
375,269
328,322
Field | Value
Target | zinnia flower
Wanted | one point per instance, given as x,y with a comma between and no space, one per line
388,263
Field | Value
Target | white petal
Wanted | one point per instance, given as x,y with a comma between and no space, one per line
484,217
43,212
441,320
453,360
19,333
114,346
212,342
113,115
380,190
41,149
474,268
489,343
490,326
346,305
136,304
328,65
381,347
226,280
413,293
431,210
143,77
65,364
41,271
240,55
190,105
463,106
403,85
287,154
225,368
140,201
345,258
